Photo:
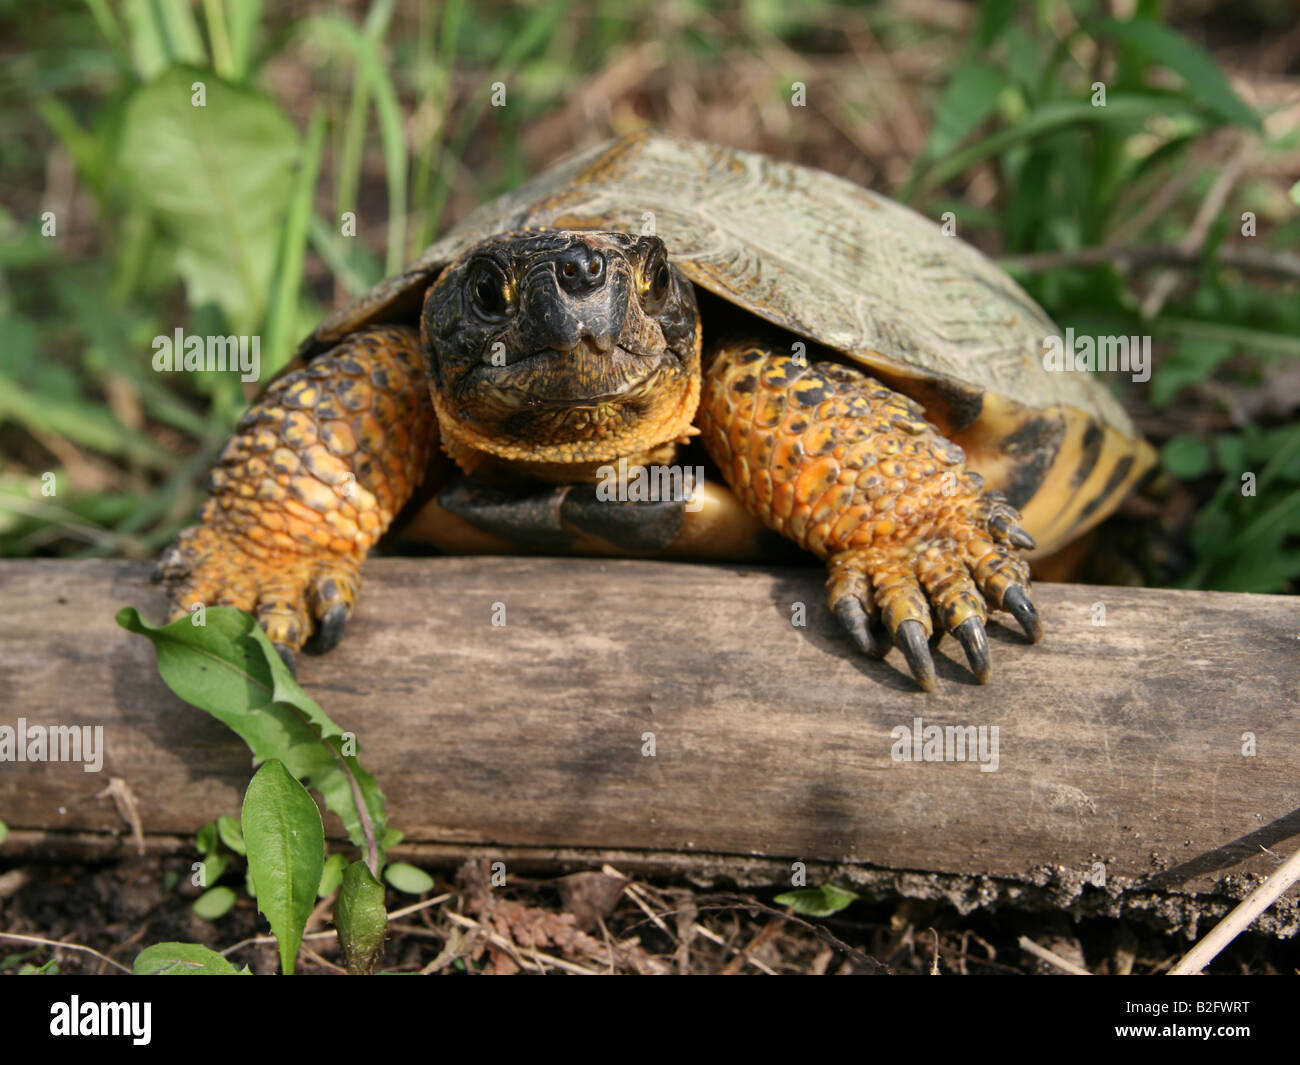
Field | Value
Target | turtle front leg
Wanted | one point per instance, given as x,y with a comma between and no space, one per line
852,471
313,476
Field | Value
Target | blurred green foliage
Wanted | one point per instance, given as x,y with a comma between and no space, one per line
211,217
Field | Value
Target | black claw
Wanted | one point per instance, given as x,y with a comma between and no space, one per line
1020,538
971,634
289,659
329,629
1015,600
1003,526
910,638
858,624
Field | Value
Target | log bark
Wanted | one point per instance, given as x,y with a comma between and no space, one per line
1149,744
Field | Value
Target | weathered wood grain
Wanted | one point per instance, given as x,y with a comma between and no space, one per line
1118,743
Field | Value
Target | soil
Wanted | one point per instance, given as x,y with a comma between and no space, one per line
587,920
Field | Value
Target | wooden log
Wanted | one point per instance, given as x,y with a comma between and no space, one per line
1150,742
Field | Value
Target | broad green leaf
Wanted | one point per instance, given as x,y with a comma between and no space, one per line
1231,451
229,668
1205,81
331,876
286,853
211,869
970,96
231,833
819,901
4,832
1189,363
214,903
360,918
1186,456
994,17
183,959
216,179
206,838
408,878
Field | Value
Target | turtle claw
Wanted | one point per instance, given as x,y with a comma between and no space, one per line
910,638
862,627
288,657
1017,603
971,634
1004,525
329,629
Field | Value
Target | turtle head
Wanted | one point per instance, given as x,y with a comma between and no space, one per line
563,346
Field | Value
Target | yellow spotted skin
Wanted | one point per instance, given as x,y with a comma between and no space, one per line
314,475
851,471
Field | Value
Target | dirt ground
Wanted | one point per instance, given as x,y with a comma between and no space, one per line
584,921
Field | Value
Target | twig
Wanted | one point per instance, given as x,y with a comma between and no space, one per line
332,933
65,946
311,955
1051,957
1239,919
449,953
742,902
744,955
417,906
537,960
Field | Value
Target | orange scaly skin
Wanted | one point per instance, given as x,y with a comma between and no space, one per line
852,472
313,476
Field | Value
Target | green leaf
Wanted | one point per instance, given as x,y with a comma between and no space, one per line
360,918
1120,110
1190,362
211,868
286,853
229,668
1205,81
206,838
214,903
182,959
408,878
1186,456
216,180
970,96
161,33
231,834
1295,193
331,876
819,901
4,832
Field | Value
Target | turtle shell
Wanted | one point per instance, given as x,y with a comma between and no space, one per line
848,269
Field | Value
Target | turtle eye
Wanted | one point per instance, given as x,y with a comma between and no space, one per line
656,279
489,290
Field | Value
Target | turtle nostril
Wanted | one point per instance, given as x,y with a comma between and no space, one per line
580,269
